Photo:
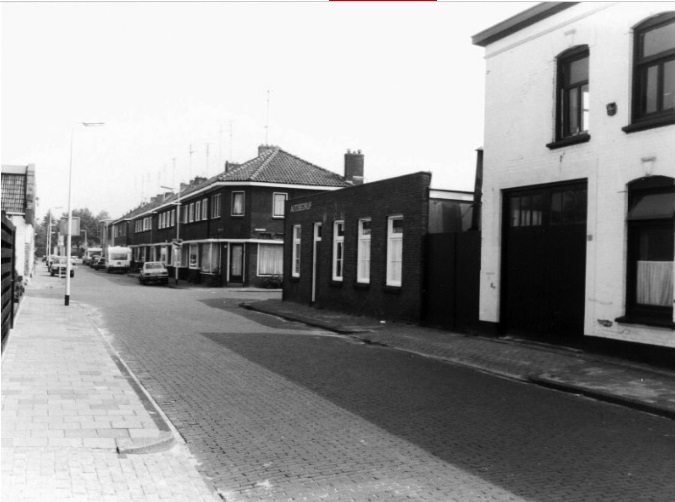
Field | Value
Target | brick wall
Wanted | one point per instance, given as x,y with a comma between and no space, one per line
406,196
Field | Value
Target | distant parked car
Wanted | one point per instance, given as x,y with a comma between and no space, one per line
60,267
154,271
99,264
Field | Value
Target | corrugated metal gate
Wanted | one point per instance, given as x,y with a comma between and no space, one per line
452,282
8,237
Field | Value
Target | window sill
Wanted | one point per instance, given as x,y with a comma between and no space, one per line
335,284
362,285
654,322
391,289
570,140
661,121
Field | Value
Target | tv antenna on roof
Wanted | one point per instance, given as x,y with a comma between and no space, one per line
267,120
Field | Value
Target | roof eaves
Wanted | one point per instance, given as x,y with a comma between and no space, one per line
519,21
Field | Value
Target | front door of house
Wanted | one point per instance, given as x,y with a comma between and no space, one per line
237,263
544,261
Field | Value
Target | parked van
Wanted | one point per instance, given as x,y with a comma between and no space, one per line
89,255
117,259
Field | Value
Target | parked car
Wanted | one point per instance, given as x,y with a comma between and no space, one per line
60,267
154,271
99,264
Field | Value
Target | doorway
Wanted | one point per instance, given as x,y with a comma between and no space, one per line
544,261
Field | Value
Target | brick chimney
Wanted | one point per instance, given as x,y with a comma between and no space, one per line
198,180
263,148
231,166
354,167
184,186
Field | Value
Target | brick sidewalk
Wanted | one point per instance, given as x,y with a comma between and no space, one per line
604,378
75,424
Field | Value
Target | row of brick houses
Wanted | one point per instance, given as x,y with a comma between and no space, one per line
230,226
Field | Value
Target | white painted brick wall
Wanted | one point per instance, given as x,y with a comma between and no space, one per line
520,121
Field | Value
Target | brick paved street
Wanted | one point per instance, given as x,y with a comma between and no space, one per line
277,411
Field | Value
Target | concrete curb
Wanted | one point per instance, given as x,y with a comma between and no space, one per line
167,436
550,382
138,446
309,321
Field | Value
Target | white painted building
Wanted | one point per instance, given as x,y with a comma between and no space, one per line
579,172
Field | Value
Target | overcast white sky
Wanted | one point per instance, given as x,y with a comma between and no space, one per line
399,81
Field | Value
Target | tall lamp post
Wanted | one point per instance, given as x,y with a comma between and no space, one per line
70,209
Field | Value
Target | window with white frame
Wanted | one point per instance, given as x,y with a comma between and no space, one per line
363,258
295,264
394,250
270,259
205,207
194,256
210,258
215,206
237,203
173,217
191,212
278,202
198,210
338,249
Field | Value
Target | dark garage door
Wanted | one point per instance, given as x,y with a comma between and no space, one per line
544,262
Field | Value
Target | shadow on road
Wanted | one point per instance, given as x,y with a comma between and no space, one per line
538,444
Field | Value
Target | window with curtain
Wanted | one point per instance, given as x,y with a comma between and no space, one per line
651,246
295,263
270,259
394,250
215,206
237,203
363,258
278,201
198,210
205,212
191,216
206,258
338,249
163,254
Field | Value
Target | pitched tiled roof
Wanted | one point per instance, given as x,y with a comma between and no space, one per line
277,166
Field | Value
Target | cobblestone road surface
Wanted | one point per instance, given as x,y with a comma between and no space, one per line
277,411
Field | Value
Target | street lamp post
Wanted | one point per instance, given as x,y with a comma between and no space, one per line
177,241
70,209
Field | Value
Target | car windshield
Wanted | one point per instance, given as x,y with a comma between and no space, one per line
154,265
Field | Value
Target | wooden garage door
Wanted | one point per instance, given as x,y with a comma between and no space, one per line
544,261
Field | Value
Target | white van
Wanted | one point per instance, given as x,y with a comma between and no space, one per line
90,253
117,259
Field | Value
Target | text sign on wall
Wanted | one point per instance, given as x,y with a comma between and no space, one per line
296,208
